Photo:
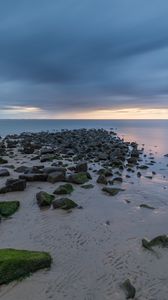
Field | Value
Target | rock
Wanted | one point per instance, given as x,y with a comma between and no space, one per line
148,177
16,264
129,289
112,191
81,167
87,186
3,161
56,177
49,170
132,160
139,174
64,189
64,203
78,178
34,177
105,172
13,185
118,179
22,169
143,167
102,179
8,208
4,172
44,199
160,240
146,206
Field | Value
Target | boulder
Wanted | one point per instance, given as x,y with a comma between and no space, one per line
64,203
8,208
4,172
56,177
78,178
64,189
81,167
44,199
17,264
102,179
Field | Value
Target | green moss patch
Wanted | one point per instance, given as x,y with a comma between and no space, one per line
64,189
44,199
112,191
79,178
8,208
64,203
16,264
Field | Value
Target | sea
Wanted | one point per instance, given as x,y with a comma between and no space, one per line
152,133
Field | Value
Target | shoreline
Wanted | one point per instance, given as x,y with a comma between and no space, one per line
96,248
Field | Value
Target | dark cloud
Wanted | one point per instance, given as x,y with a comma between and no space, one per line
69,55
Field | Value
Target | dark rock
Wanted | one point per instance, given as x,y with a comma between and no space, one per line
44,199
112,191
146,206
64,189
129,289
87,186
3,161
34,177
78,178
64,203
161,240
56,177
102,179
4,172
139,174
81,167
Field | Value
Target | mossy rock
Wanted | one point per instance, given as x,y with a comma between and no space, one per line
17,264
64,189
44,199
112,191
3,161
64,203
8,208
87,186
79,178
160,240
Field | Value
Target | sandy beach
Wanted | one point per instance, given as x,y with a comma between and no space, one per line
96,248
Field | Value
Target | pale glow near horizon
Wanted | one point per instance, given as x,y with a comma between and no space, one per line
21,112
126,113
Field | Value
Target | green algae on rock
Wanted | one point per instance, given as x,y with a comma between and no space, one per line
79,178
64,189
64,203
16,264
8,208
44,199
160,240
112,191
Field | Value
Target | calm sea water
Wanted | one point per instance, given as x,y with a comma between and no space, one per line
152,133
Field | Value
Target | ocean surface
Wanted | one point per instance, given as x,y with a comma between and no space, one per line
152,133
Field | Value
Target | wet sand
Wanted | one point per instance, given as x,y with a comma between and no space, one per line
96,248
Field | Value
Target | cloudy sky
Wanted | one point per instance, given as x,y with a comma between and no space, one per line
83,59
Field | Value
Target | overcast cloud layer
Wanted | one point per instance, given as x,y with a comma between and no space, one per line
68,55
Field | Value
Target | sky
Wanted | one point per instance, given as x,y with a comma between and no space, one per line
95,59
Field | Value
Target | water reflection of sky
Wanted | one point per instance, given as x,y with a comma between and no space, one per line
154,139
